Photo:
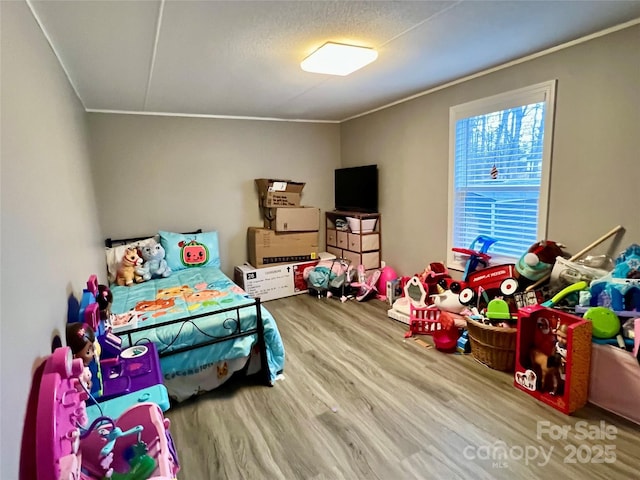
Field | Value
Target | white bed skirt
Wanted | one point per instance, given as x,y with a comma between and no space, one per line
182,387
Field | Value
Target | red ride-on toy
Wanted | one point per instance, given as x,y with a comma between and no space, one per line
479,278
501,277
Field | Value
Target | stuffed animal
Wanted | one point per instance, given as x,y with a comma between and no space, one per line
537,262
155,266
127,269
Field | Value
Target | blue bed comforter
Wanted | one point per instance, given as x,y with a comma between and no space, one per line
188,294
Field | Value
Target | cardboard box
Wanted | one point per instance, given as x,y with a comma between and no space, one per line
274,282
279,281
537,338
279,193
268,247
294,219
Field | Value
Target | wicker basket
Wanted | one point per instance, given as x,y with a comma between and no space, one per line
493,346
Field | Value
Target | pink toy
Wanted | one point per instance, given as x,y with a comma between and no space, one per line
53,447
51,438
423,320
386,274
446,338
92,285
636,334
366,284
144,423
431,321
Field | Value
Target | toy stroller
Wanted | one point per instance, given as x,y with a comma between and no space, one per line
366,286
330,278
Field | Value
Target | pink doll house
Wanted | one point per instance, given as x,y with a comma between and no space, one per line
57,446
51,437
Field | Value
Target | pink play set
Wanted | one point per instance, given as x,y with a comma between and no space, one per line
58,443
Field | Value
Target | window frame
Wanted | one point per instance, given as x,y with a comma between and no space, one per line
544,91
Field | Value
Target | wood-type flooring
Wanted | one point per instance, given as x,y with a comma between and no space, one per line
358,401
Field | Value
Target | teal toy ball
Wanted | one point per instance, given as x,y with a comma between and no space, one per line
605,323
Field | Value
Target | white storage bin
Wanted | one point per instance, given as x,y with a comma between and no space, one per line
368,224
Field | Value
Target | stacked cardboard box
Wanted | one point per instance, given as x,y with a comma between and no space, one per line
268,247
290,232
285,245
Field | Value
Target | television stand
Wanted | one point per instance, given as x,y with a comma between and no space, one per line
360,243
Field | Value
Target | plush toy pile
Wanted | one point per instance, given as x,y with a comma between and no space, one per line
141,264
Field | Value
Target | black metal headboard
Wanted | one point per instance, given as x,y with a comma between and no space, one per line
110,243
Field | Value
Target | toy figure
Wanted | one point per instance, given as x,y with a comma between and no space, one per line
104,299
81,339
560,350
547,369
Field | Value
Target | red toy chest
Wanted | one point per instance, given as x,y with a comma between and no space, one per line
536,341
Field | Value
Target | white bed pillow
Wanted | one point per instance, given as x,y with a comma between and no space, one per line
114,255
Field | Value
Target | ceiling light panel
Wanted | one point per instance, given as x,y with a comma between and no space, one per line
338,59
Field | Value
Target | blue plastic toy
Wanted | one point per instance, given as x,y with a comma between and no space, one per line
477,255
463,345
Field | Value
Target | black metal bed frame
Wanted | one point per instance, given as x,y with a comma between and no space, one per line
234,325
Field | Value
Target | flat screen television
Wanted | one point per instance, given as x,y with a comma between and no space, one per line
356,189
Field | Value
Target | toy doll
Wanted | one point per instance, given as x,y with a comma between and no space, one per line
548,370
104,299
560,349
81,338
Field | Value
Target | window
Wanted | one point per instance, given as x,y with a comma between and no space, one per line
499,162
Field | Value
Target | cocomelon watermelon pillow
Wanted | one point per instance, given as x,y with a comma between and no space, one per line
187,250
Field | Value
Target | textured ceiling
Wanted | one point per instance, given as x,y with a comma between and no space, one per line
241,58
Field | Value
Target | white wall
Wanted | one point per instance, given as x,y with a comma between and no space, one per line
183,173
179,174
595,169
50,237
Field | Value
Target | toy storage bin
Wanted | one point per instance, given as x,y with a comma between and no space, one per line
493,346
614,381
368,224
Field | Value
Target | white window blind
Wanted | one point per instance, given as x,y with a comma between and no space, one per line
499,164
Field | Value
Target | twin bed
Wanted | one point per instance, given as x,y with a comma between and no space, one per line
204,326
